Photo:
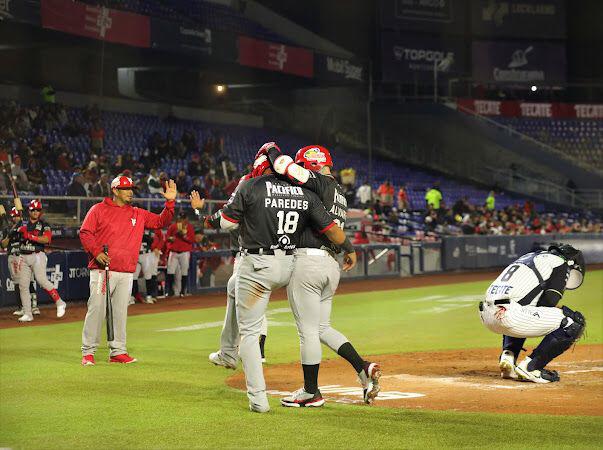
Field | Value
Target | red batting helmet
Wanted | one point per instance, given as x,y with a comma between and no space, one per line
260,165
14,212
35,205
122,182
314,157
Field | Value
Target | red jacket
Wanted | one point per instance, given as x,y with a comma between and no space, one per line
158,240
181,243
121,229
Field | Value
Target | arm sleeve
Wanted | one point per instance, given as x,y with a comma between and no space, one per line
555,287
233,210
152,220
87,236
320,218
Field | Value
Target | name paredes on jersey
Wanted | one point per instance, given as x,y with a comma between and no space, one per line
274,191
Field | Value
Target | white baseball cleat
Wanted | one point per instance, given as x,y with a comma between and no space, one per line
61,307
369,379
216,358
303,399
35,311
131,301
18,312
535,376
25,318
149,299
507,365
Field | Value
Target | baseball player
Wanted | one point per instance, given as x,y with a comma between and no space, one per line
117,224
228,355
272,214
34,235
148,262
181,236
523,302
11,240
316,276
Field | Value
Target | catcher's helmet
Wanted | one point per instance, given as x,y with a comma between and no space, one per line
35,205
314,157
575,262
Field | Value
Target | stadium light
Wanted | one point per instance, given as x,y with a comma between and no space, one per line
534,88
220,88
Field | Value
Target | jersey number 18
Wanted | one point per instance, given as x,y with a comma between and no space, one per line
287,223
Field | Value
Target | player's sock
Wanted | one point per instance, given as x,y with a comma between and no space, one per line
149,286
349,353
513,344
54,295
169,285
262,343
311,377
154,286
135,288
184,284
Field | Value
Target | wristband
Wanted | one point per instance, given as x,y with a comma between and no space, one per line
347,246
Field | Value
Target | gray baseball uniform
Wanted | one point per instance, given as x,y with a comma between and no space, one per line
272,214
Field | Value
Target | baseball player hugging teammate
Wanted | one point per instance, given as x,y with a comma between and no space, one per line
316,276
11,239
30,260
270,231
523,302
117,225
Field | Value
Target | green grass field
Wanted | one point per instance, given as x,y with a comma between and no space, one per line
173,398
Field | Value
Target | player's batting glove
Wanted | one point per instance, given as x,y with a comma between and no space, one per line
265,148
26,234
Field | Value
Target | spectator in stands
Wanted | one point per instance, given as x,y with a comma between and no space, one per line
48,94
195,167
402,198
433,197
490,201
36,175
364,195
101,187
76,187
19,174
386,194
182,182
97,136
64,162
153,183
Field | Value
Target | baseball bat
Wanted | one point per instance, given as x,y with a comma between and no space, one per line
16,198
108,305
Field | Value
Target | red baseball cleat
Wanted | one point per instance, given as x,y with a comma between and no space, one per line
88,360
124,358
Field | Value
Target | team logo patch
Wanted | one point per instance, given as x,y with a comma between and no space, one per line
133,222
284,240
315,154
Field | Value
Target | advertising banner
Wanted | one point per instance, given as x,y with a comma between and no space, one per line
431,16
519,62
410,58
519,18
96,22
512,108
25,11
173,36
276,57
338,69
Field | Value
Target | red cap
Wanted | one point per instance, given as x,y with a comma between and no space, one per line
35,205
14,212
122,182
314,157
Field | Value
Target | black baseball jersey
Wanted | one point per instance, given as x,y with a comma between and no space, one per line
37,229
147,240
14,239
273,214
332,196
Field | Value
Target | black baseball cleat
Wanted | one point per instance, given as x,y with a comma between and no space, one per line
303,399
535,376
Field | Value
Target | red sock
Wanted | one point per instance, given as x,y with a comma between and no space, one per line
54,295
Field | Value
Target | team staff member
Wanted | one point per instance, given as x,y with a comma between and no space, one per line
35,235
11,240
150,261
316,277
119,225
181,236
272,215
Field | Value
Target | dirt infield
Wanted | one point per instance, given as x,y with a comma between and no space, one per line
465,380
76,311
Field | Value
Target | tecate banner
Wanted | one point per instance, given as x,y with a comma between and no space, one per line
518,18
511,108
519,62
423,15
274,56
96,22
409,58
